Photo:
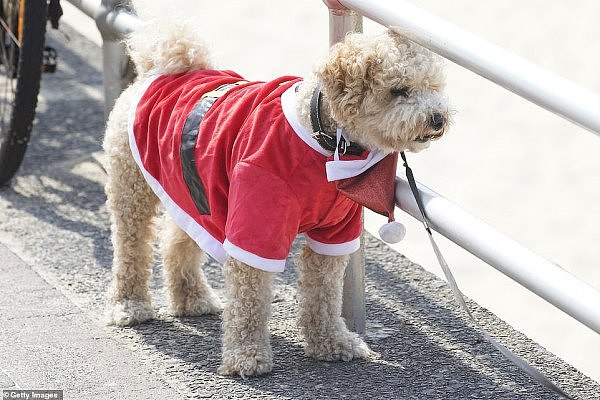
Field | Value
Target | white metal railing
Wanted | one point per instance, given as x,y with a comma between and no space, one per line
546,279
556,94
508,70
535,84
111,16
113,21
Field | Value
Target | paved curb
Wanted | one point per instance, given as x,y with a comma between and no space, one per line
46,342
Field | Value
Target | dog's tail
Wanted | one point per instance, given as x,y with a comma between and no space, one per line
167,47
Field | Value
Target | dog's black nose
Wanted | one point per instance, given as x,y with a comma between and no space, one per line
437,121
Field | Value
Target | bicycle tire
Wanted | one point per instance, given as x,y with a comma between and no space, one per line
20,75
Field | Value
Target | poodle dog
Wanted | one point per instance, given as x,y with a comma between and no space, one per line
241,170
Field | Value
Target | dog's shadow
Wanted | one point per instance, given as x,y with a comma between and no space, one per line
424,348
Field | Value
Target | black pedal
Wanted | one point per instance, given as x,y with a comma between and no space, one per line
55,11
49,62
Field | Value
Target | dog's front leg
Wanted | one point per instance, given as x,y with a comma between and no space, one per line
320,287
190,292
246,339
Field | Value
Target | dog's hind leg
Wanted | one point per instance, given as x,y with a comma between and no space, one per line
189,290
320,286
132,206
246,338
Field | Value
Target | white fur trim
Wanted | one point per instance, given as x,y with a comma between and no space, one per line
336,169
266,264
204,239
337,249
288,105
342,169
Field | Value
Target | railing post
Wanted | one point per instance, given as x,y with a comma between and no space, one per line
118,70
341,22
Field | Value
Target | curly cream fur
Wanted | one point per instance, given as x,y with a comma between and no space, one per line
159,48
190,292
320,308
132,205
357,79
246,338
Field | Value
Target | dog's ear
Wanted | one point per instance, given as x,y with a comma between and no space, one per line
347,74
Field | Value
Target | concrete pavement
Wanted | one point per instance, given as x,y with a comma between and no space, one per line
48,343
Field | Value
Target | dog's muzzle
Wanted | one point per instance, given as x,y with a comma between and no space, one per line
437,122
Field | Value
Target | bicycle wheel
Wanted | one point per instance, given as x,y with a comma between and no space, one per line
22,29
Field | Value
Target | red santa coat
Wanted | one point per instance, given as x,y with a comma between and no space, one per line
262,173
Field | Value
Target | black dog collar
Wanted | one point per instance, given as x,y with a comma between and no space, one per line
326,141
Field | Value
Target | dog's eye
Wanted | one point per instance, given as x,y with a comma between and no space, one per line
400,92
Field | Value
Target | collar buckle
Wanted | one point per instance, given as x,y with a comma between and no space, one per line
325,140
343,147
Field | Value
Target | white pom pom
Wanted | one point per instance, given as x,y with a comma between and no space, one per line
392,232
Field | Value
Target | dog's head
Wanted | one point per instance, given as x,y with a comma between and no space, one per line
386,92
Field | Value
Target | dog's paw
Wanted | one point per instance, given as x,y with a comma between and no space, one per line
247,361
128,313
199,306
345,346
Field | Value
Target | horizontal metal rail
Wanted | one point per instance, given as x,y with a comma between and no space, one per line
542,277
111,16
508,70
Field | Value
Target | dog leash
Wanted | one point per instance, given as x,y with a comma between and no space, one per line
458,295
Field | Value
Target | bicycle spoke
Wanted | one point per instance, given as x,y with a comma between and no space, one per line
22,29
10,33
8,86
